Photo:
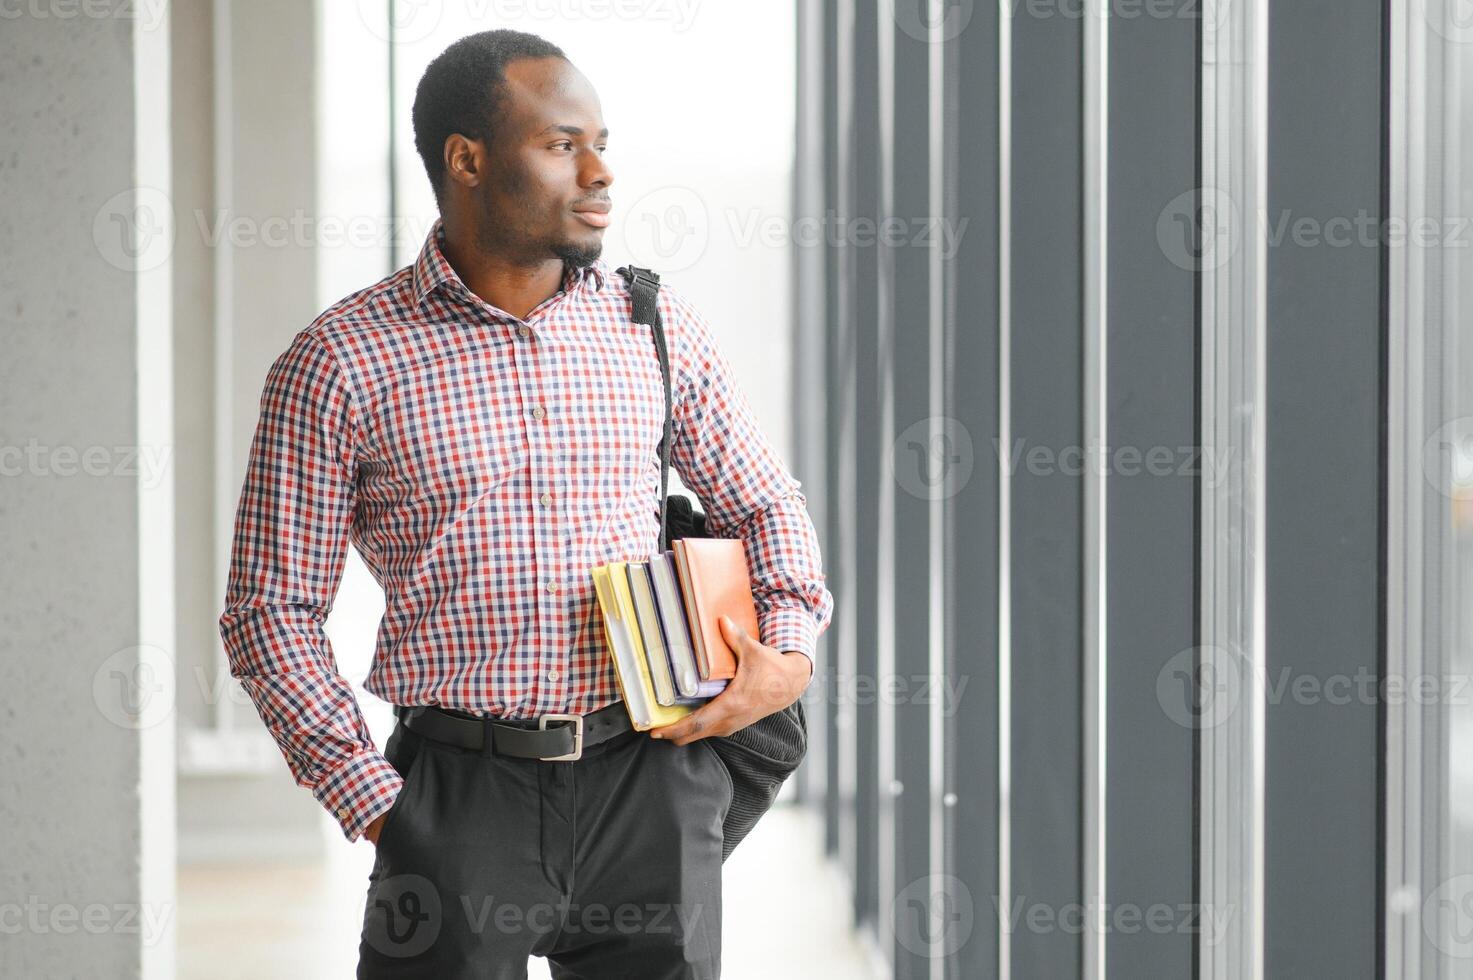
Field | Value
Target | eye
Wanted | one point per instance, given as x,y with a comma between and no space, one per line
562,143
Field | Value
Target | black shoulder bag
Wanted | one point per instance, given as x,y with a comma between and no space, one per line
763,755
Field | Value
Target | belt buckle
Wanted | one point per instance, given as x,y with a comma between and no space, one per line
577,752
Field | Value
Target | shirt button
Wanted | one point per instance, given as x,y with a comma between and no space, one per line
539,412
344,812
554,674
525,332
552,587
546,499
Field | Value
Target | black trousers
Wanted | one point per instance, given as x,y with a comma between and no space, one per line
609,865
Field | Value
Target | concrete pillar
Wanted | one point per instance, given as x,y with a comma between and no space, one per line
86,586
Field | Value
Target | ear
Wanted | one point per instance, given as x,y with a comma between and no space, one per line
465,160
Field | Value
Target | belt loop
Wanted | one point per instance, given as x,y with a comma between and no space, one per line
487,742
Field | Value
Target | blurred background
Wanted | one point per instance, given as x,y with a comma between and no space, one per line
1118,345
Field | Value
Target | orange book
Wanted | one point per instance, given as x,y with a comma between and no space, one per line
714,582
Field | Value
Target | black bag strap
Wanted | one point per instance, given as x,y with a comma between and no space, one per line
644,286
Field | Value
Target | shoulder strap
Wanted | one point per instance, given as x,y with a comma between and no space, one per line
644,286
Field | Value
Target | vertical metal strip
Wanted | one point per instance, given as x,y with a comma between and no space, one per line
1004,483
1447,288
226,486
1401,946
1234,342
886,770
1096,254
846,652
1410,643
157,856
393,161
936,532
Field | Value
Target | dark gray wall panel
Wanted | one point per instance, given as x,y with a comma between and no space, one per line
1046,411
871,466
1324,461
836,811
1151,557
970,578
906,347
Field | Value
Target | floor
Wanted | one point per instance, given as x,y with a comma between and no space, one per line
290,922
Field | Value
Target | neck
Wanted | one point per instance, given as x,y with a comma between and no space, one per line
516,287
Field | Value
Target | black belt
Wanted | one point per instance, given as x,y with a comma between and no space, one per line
550,738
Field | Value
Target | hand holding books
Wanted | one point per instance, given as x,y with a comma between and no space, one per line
678,626
766,680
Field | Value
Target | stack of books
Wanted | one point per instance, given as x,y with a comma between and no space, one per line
662,618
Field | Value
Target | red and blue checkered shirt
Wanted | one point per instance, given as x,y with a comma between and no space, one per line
482,465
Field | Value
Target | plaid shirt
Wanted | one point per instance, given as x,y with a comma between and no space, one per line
482,465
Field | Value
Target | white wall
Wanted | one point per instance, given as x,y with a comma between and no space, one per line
245,146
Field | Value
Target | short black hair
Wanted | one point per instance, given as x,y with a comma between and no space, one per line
460,92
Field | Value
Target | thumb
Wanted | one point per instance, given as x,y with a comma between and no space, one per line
736,637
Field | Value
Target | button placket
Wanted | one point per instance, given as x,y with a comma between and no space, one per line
543,512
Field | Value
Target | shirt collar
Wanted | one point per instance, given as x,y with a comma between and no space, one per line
432,269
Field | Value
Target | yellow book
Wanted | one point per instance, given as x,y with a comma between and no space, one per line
611,584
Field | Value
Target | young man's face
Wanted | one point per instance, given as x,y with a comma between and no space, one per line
546,190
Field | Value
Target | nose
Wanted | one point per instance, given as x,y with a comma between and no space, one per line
595,172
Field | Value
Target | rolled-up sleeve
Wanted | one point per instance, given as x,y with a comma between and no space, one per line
747,491
291,538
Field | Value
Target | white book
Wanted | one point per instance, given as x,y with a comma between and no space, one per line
674,626
621,645
650,632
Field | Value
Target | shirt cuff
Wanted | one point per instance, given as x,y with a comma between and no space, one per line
790,629
358,790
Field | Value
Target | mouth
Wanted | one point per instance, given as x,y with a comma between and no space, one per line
595,215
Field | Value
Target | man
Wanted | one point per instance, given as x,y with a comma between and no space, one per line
482,426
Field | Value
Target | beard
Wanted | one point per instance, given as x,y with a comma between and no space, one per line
493,237
577,256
